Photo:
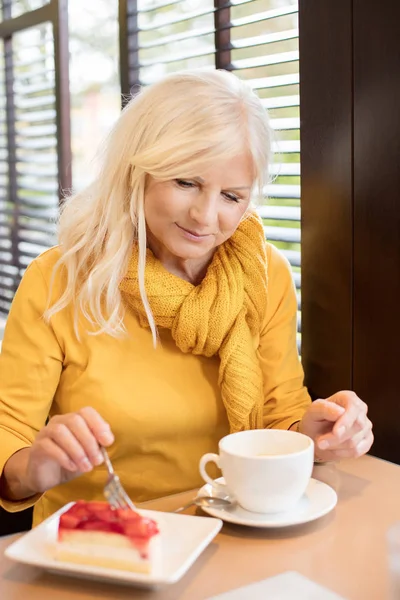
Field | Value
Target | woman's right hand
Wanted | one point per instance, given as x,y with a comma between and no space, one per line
65,448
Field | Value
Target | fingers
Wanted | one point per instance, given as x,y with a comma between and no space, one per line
339,426
352,421
53,451
324,410
83,443
353,417
357,445
359,433
361,448
73,439
98,426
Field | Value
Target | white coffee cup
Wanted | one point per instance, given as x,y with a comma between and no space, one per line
265,470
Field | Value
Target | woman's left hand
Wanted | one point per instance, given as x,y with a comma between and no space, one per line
339,427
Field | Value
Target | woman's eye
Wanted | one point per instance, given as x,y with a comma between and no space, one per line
231,197
185,184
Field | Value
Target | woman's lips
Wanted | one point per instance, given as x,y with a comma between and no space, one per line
193,235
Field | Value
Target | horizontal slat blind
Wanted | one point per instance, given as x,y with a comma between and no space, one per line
36,141
7,270
264,51
29,213
172,36
35,164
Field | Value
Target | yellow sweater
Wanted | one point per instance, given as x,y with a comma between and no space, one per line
164,406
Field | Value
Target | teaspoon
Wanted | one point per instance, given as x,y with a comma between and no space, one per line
205,501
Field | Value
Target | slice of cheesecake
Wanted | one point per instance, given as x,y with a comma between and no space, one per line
93,533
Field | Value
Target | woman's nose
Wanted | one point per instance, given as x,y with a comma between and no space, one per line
204,210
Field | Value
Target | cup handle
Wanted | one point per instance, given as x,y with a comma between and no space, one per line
219,488
205,459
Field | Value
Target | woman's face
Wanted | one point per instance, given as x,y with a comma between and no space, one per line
189,218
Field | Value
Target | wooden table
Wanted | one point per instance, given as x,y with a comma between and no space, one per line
344,551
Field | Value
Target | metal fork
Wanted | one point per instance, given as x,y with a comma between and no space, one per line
113,491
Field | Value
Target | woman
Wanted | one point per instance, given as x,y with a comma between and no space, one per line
163,320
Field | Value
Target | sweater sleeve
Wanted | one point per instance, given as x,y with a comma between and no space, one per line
30,366
285,397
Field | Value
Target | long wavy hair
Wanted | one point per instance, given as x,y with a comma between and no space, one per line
171,129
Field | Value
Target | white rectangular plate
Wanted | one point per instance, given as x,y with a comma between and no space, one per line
183,539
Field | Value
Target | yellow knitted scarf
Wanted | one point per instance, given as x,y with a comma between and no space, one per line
223,315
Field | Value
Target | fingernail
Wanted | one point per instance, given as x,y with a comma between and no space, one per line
98,459
323,444
341,431
360,448
106,437
86,464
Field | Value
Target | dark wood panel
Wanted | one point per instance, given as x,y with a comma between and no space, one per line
377,217
326,105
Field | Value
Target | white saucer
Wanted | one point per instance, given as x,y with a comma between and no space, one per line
318,500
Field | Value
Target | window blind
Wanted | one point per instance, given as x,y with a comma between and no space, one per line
34,135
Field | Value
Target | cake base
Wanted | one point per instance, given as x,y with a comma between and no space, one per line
110,550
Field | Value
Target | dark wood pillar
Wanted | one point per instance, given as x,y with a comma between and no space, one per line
377,217
326,107
350,153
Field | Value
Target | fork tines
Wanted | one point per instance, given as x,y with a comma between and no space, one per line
116,495
114,492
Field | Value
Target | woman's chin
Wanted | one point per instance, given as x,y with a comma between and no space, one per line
188,250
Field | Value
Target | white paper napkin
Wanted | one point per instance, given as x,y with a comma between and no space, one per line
286,586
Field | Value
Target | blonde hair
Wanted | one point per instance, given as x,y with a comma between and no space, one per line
169,130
